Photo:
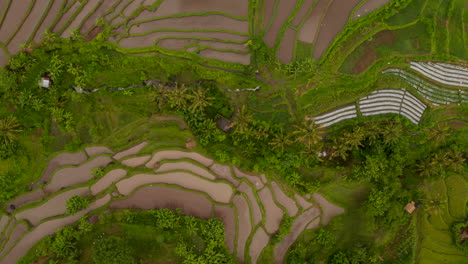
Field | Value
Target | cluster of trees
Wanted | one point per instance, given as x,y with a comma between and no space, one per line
76,203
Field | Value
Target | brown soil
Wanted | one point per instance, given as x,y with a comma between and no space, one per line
24,199
259,242
60,160
224,172
284,10
67,177
284,200
212,22
65,17
131,151
245,227
184,165
273,214
3,222
257,212
286,49
177,154
106,181
237,8
91,20
301,14
157,197
132,7
255,180
12,19
333,22
385,37
369,6
297,227
136,161
117,10
224,45
226,214
18,231
53,207
45,229
329,210
150,39
268,12
175,43
302,202
28,26
89,7
93,151
220,192
310,28
226,56
49,19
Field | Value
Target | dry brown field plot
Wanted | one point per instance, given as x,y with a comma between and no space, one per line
250,206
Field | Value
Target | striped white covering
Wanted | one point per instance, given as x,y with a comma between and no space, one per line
392,101
443,73
335,116
436,95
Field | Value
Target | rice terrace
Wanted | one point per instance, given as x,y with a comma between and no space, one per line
220,131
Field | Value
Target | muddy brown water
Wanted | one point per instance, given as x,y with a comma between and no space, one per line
90,22
78,20
117,10
25,199
157,197
257,212
211,22
286,49
60,160
45,229
369,6
254,179
3,222
220,192
302,202
177,154
273,214
184,165
28,26
333,22
93,151
301,14
268,12
224,45
67,16
299,224
259,242
310,28
329,210
132,7
226,56
175,43
224,172
226,214
171,7
12,20
49,19
314,224
53,207
244,225
284,10
284,200
107,180
67,177
15,235
151,38
136,161
131,151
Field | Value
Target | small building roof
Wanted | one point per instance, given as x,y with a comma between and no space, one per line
45,82
410,207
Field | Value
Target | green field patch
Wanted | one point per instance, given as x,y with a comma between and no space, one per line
412,40
456,31
303,50
409,14
457,196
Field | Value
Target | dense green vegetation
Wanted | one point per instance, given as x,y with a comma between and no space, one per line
374,165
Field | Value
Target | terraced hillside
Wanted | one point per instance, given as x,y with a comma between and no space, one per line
251,206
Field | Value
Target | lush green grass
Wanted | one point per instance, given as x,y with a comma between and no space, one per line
303,50
408,14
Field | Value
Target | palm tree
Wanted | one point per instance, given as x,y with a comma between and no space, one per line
392,133
242,120
354,139
178,97
160,96
456,160
9,129
309,153
341,149
308,132
199,100
425,169
438,134
280,141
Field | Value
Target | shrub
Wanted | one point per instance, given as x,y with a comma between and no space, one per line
64,245
76,203
112,250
